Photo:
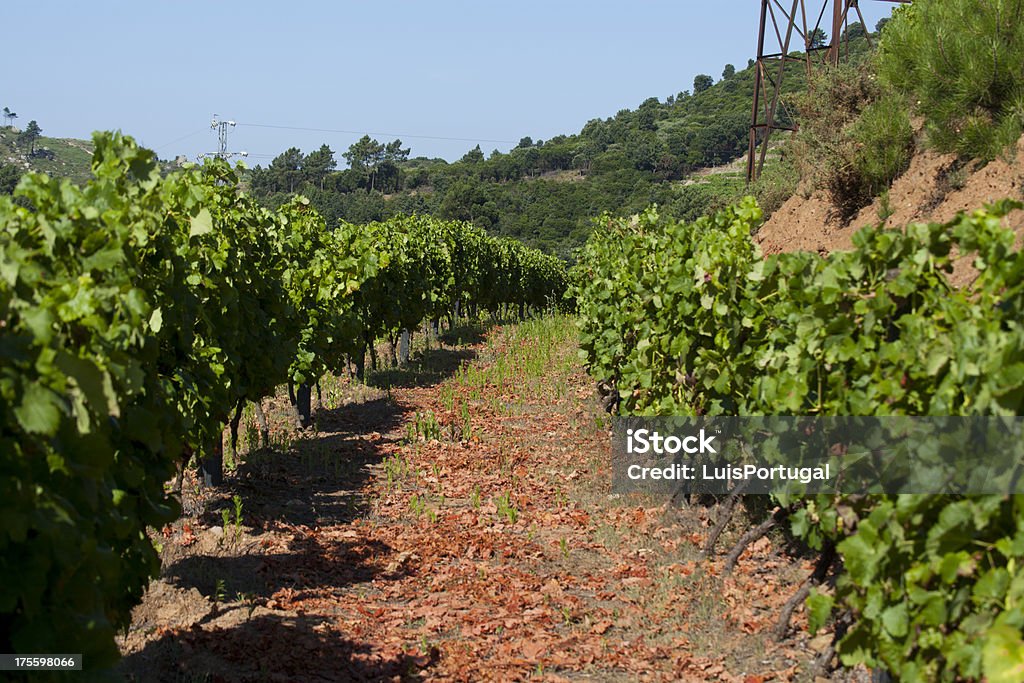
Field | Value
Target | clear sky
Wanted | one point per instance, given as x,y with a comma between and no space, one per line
482,70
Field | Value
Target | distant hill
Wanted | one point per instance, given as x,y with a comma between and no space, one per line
543,192
675,152
59,157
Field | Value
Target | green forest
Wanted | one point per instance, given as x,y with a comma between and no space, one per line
545,192
542,192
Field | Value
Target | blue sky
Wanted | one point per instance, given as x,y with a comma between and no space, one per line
488,71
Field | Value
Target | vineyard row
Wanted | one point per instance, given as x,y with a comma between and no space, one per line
690,319
136,312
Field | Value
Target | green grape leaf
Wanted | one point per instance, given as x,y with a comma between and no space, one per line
39,412
202,223
1003,655
819,609
156,320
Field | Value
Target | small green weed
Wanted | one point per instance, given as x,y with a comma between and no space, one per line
506,509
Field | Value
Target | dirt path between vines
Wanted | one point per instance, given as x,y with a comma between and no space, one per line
457,525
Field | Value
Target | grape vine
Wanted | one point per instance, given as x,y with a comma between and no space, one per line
688,318
136,312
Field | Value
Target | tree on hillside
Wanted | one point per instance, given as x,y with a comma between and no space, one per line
460,200
30,135
389,172
881,24
394,153
817,38
318,164
285,171
855,30
585,154
729,71
529,159
7,116
701,83
647,114
364,156
644,150
473,156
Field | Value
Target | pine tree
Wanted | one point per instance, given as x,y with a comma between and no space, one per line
30,135
959,62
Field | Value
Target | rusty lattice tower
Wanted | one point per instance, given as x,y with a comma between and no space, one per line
788,27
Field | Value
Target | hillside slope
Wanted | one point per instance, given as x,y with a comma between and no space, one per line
934,188
546,192
61,157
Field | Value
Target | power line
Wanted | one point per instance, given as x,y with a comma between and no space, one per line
381,135
183,137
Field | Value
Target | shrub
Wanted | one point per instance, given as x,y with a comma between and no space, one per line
960,62
855,137
877,149
777,184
